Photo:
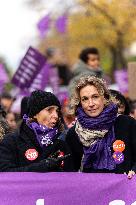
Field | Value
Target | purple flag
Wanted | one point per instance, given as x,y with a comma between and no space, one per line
121,78
47,77
63,94
43,25
66,189
3,77
42,79
61,23
54,79
29,67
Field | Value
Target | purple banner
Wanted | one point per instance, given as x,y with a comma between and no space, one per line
63,94
61,23
29,67
43,25
66,189
121,78
41,79
3,77
48,76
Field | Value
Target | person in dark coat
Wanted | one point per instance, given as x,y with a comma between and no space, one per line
122,103
36,146
101,141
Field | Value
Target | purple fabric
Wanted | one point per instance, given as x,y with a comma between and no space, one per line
54,80
3,77
121,78
102,122
43,25
48,76
99,156
44,135
42,79
66,189
61,23
63,94
29,67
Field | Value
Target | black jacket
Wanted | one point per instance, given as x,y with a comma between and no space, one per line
14,146
125,130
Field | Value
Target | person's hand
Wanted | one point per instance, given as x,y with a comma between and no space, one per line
47,165
130,174
53,163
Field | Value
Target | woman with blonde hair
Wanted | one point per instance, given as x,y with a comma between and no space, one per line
101,141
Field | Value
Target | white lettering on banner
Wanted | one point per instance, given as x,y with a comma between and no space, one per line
32,60
119,202
32,53
40,202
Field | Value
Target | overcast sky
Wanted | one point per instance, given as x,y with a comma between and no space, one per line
18,27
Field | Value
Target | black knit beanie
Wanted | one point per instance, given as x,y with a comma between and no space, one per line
39,100
24,106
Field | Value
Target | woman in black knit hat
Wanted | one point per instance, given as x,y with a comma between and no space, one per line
36,147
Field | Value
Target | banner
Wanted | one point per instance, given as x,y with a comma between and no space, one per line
3,77
61,24
66,189
44,25
29,67
121,78
48,76
41,79
132,80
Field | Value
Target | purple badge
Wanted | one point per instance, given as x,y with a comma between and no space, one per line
118,157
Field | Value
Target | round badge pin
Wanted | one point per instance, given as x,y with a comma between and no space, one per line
118,157
118,146
31,154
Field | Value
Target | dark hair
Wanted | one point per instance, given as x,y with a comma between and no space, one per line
121,99
50,52
84,53
2,112
6,95
132,106
24,106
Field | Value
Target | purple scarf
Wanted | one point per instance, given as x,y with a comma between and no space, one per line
44,135
99,156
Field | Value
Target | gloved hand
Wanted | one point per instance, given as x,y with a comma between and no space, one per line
53,163
47,165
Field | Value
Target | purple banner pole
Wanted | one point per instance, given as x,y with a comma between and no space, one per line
66,189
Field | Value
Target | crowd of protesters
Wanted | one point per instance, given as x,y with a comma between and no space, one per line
80,133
